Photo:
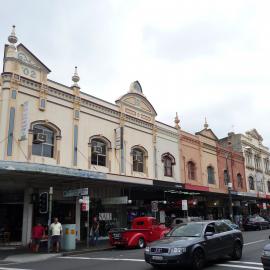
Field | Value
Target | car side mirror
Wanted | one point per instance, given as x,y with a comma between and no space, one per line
207,234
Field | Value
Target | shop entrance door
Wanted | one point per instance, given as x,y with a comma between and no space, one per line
11,217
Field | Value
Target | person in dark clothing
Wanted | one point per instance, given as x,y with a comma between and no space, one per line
94,232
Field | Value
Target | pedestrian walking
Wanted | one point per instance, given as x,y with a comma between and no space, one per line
38,232
56,233
94,232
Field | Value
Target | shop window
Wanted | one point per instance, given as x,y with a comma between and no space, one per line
98,152
191,170
138,160
251,183
268,185
239,180
43,141
168,161
211,175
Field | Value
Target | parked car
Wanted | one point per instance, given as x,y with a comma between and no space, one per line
194,243
143,230
265,258
255,223
231,224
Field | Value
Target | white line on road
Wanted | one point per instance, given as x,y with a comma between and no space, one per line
102,259
254,263
239,266
255,242
8,268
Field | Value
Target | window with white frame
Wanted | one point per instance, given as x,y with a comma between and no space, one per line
98,152
138,160
266,165
43,141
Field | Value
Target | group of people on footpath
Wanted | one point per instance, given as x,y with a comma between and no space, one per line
56,232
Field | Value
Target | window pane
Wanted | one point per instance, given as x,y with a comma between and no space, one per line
37,149
101,160
47,150
140,167
49,137
94,159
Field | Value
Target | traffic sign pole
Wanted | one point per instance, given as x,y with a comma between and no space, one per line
50,217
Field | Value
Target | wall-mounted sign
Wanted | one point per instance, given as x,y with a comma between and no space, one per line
105,216
115,200
75,192
119,138
25,121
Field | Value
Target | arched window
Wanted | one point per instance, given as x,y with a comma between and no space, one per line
191,170
239,180
251,183
98,152
43,141
138,160
168,161
211,175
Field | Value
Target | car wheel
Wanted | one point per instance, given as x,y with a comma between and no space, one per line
141,243
198,259
237,251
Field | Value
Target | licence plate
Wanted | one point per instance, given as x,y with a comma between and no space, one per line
157,258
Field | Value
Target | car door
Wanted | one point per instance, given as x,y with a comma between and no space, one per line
225,233
211,243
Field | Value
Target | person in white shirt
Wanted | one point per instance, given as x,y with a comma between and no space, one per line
56,233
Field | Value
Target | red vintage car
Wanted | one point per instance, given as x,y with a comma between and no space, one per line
143,230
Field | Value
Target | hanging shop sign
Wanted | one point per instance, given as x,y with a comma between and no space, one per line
154,206
75,192
184,205
115,200
85,203
25,121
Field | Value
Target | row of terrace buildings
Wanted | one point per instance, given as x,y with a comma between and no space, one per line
53,135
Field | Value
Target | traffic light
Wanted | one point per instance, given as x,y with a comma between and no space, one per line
43,203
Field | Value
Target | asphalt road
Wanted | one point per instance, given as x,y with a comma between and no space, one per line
133,259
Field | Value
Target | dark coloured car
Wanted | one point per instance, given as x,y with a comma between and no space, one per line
194,243
255,223
266,257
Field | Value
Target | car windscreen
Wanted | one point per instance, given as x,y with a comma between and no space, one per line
187,230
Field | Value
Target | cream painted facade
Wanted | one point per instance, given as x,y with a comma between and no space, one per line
28,76
257,158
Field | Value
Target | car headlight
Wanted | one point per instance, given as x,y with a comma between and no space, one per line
178,250
147,249
266,253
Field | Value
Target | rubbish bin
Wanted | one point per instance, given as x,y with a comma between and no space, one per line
69,237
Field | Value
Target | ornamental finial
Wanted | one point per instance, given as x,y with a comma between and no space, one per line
206,124
176,121
12,37
75,77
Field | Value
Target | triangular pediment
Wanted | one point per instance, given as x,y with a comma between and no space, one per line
27,57
254,134
208,133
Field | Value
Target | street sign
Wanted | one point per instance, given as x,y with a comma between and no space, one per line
184,205
85,203
75,192
154,206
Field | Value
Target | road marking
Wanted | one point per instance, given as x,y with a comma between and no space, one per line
8,268
102,259
254,263
239,266
255,242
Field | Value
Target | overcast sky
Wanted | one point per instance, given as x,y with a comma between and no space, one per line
199,58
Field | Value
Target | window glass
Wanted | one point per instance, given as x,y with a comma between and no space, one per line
44,147
167,166
210,228
98,149
222,227
10,131
211,176
138,160
13,94
251,183
239,180
191,171
187,230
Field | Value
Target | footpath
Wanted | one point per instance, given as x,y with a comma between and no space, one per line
10,254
